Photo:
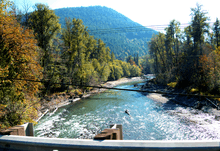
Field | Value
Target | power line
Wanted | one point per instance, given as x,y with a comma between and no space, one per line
101,87
134,28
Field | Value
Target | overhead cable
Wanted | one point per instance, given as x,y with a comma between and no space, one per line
102,87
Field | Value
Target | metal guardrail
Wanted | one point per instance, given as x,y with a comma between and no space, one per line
25,143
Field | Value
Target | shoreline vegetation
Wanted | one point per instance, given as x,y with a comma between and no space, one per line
52,103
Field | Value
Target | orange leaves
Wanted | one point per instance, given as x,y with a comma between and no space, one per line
18,60
210,65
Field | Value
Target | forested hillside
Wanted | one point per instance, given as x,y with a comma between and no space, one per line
123,36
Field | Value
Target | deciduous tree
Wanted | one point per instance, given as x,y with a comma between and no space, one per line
19,60
46,25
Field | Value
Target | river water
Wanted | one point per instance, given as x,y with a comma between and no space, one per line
148,120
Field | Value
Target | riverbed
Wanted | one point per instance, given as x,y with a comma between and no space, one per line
148,120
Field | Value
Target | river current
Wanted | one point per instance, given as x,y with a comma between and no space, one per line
148,120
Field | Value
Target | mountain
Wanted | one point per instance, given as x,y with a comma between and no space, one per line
123,36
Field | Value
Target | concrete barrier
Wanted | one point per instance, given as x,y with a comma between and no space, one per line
24,143
112,133
26,129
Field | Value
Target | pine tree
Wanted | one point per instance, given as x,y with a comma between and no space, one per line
199,27
216,32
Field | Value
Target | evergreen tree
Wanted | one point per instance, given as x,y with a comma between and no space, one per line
112,56
101,51
199,27
67,36
171,43
216,33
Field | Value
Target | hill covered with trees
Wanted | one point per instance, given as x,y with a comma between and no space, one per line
123,36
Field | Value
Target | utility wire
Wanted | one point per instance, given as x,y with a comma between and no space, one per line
101,87
135,28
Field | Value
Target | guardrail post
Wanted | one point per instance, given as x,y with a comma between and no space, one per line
119,126
30,129
112,133
16,130
26,129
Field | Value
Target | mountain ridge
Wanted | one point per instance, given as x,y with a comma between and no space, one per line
122,35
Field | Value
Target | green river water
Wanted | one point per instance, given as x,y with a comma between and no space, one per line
149,120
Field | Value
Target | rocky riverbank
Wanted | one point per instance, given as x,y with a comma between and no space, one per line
186,107
50,104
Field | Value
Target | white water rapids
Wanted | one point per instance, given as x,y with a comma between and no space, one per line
149,120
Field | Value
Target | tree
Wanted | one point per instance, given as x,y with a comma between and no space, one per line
191,66
147,64
112,56
90,48
136,60
210,65
67,36
198,28
19,60
171,43
158,52
76,39
126,69
46,25
216,32
135,71
26,8
116,70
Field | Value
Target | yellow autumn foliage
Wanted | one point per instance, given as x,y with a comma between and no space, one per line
18,63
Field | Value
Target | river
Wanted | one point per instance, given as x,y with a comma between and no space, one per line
149,120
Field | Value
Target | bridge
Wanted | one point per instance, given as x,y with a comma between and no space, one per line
104,141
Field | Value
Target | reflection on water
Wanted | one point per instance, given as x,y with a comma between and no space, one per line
148,120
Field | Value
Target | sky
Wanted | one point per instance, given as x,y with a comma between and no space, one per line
144,12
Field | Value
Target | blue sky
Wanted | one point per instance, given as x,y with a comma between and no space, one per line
145,12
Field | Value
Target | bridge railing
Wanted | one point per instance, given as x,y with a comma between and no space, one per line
26,143
111,141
